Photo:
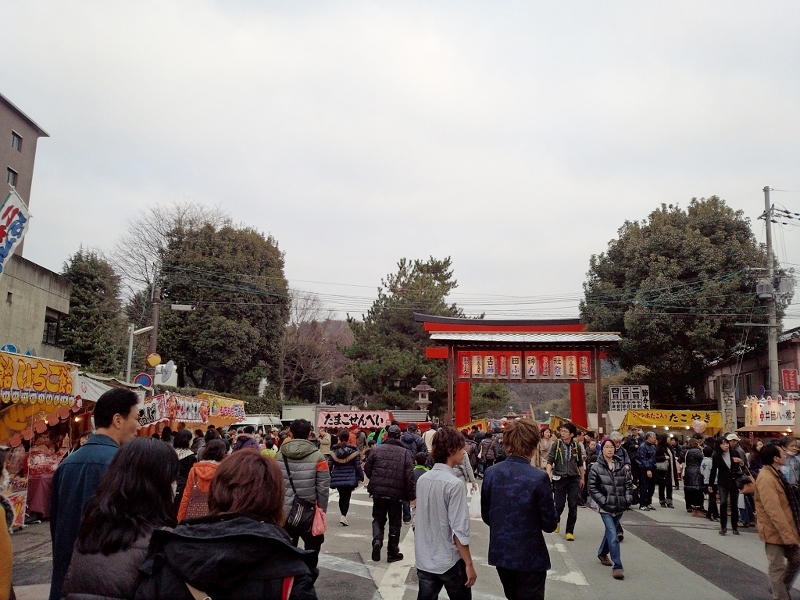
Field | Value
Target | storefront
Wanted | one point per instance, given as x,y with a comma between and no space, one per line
39,399
768,417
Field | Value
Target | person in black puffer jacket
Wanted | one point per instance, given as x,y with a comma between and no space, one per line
346,472
240,550
610,485
391,480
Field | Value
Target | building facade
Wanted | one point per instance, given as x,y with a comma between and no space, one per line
33,300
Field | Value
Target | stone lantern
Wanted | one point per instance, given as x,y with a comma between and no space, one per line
423,389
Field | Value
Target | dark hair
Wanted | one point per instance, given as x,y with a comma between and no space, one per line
155,436
248,429
166,434
269,442
215,450
420,458
692,443
718,445
133,497
198,432
662,440
183,439
344,435
3,458
300,429
708,451
785,441
446,442
234,481
371,443
769,453
211,435
114,401
569,427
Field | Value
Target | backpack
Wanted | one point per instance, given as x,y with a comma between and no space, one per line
499,450
472,453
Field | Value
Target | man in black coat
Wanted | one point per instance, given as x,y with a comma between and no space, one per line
391,480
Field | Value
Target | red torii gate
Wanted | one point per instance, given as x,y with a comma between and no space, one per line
529,351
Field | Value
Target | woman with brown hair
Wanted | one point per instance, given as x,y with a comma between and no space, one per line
240,550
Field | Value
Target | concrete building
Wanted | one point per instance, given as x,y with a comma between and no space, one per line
33,300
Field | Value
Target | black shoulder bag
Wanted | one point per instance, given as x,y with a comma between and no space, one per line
301,514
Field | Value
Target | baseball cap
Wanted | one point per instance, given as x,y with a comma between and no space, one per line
393,430
732,436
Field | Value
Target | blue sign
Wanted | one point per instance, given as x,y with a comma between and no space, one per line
9,348
143,379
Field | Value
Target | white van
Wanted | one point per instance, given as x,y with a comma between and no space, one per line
261,423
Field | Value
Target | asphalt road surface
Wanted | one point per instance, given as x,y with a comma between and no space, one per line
666,554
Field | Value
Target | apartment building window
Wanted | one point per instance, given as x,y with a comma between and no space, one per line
11,177
16,141
52,328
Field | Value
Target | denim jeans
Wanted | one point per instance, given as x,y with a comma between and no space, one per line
645,488
406,511
610,543
453,580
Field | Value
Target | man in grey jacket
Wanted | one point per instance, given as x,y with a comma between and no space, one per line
308,468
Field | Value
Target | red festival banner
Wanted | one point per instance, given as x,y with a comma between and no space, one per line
541,365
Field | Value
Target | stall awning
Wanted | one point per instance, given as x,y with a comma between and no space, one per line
673,419
765,429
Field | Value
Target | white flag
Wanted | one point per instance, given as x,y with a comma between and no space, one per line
14,222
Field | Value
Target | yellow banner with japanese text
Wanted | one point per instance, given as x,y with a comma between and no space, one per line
673,419
34,380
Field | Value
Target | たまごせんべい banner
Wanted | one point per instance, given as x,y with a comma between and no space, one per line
31,380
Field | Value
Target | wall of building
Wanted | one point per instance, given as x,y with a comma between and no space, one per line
753,369
20,160
29,293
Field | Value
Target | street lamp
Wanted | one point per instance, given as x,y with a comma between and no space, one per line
131,333
322,384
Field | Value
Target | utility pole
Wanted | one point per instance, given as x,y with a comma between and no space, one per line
151,349
772,313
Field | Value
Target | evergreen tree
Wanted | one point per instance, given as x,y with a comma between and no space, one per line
389,349
93,334
675,285
234,278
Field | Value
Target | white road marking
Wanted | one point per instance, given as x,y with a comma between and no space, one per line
574,575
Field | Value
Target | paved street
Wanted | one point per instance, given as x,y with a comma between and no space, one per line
667,552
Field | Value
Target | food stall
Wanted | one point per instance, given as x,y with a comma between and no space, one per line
170,409
37,396
768,417
707,422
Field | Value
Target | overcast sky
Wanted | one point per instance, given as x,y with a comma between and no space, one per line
515,137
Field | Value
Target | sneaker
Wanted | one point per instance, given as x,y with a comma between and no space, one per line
570,537
723,532
605,560
650,507
406,522
735,532
558,528
618,574
394,557
644,508
376,553
343,521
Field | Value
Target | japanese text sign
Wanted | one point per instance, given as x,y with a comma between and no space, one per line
789,380
556,365
628,397
346,418
32,380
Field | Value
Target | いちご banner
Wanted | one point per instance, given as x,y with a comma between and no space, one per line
32,380
14,221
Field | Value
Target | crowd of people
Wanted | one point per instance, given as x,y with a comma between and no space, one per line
177,516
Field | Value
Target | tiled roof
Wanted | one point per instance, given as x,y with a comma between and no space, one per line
528,338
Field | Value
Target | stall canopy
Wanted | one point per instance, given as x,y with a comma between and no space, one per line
92,386
708,422
614,418
204,409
